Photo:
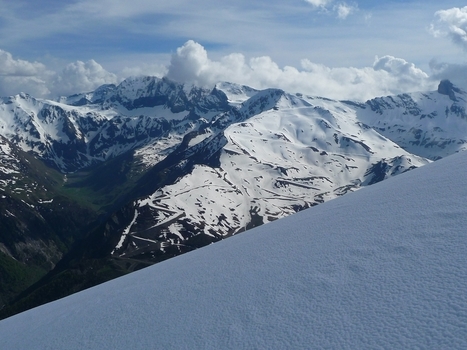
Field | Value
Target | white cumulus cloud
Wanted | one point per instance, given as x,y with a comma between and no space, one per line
16,67
399,67
82,76
18,75
191,63
36,79
453,24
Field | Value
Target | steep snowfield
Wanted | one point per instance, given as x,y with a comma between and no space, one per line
384,267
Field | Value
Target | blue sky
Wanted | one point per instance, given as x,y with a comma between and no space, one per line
112,39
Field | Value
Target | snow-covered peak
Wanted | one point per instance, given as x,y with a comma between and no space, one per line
135,87
263,100
236,93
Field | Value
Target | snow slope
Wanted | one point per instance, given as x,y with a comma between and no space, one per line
384,267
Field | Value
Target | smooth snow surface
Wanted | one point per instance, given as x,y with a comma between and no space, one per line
384,267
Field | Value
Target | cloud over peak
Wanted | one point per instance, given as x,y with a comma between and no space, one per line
19,75
82,76
388,75
34,78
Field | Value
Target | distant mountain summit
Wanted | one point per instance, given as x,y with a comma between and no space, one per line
429,124
445,87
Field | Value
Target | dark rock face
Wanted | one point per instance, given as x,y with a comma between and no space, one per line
445,87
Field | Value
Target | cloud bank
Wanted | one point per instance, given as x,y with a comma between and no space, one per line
34,78
12,67
191,64
387,75
16,74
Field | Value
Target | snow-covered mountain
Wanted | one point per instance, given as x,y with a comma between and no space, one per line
152,168
285,154
86,129
383,267
429,124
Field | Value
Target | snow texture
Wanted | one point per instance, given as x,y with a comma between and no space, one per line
384,267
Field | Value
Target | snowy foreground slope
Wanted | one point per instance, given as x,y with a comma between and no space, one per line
384,267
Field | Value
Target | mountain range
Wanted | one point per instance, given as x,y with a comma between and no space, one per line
99,184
